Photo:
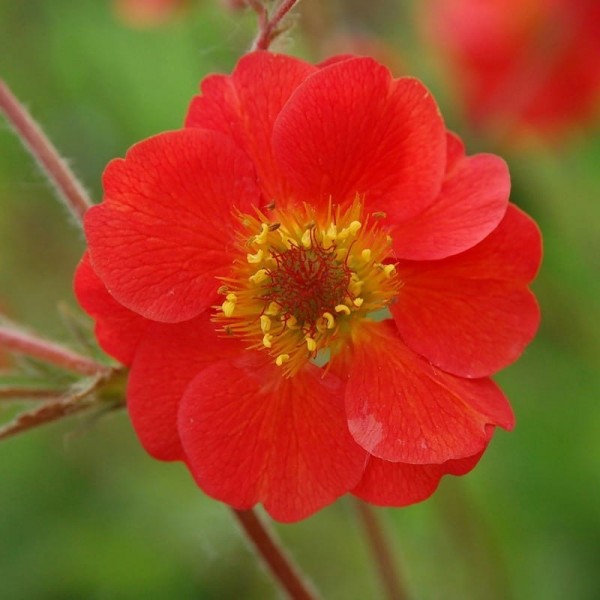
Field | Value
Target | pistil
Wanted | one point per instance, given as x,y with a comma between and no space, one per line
304,280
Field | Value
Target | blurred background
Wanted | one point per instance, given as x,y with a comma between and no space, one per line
84,513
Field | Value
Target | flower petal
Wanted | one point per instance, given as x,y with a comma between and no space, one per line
401,409
245,105
168,357
400,484
251,436
351,129
165,226
118,330
471,203
472,314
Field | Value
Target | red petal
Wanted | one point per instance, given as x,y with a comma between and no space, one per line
168,357
118,329
472,314
245,106
471,203
252,436
401,409
351,128
455,151
165,226
399,484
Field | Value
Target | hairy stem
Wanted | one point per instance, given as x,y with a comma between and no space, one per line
9,392
382,553
40,147
25,343
269,27
280,565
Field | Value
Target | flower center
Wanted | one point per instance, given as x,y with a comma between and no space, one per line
304,280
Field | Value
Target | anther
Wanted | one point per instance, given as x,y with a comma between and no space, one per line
272,309
292,323
259,276
311,344
261,238
330,320
350,230
389,269
366,254
265,323
267,340
306,240
255,258
358,302
342,308
229,305
282,358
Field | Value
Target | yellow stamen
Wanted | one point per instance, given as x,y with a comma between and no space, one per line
282,358
261,238
342,308
366,254
259,276
311,344
355,285
255,258
273,309
350,230
358,302
389,270
292,323
306,241
265,323
267,340
227,307
330,320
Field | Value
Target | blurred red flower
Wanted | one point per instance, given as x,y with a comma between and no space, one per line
299,202
529,64
147,13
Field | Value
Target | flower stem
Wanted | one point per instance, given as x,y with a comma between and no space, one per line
29,132
268,27
27,393
30,345
61,406
280,565
382,553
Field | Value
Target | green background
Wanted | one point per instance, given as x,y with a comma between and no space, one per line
84,513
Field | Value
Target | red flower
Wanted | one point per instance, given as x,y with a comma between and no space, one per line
147,13
528,63
299,202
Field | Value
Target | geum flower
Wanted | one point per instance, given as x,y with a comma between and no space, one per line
521,65
300,203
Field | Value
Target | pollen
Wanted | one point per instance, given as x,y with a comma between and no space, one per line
304,279
255,258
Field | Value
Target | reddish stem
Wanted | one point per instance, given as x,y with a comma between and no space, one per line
48,412
30,345
280,565
390,578
33,393
268,26
40,147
